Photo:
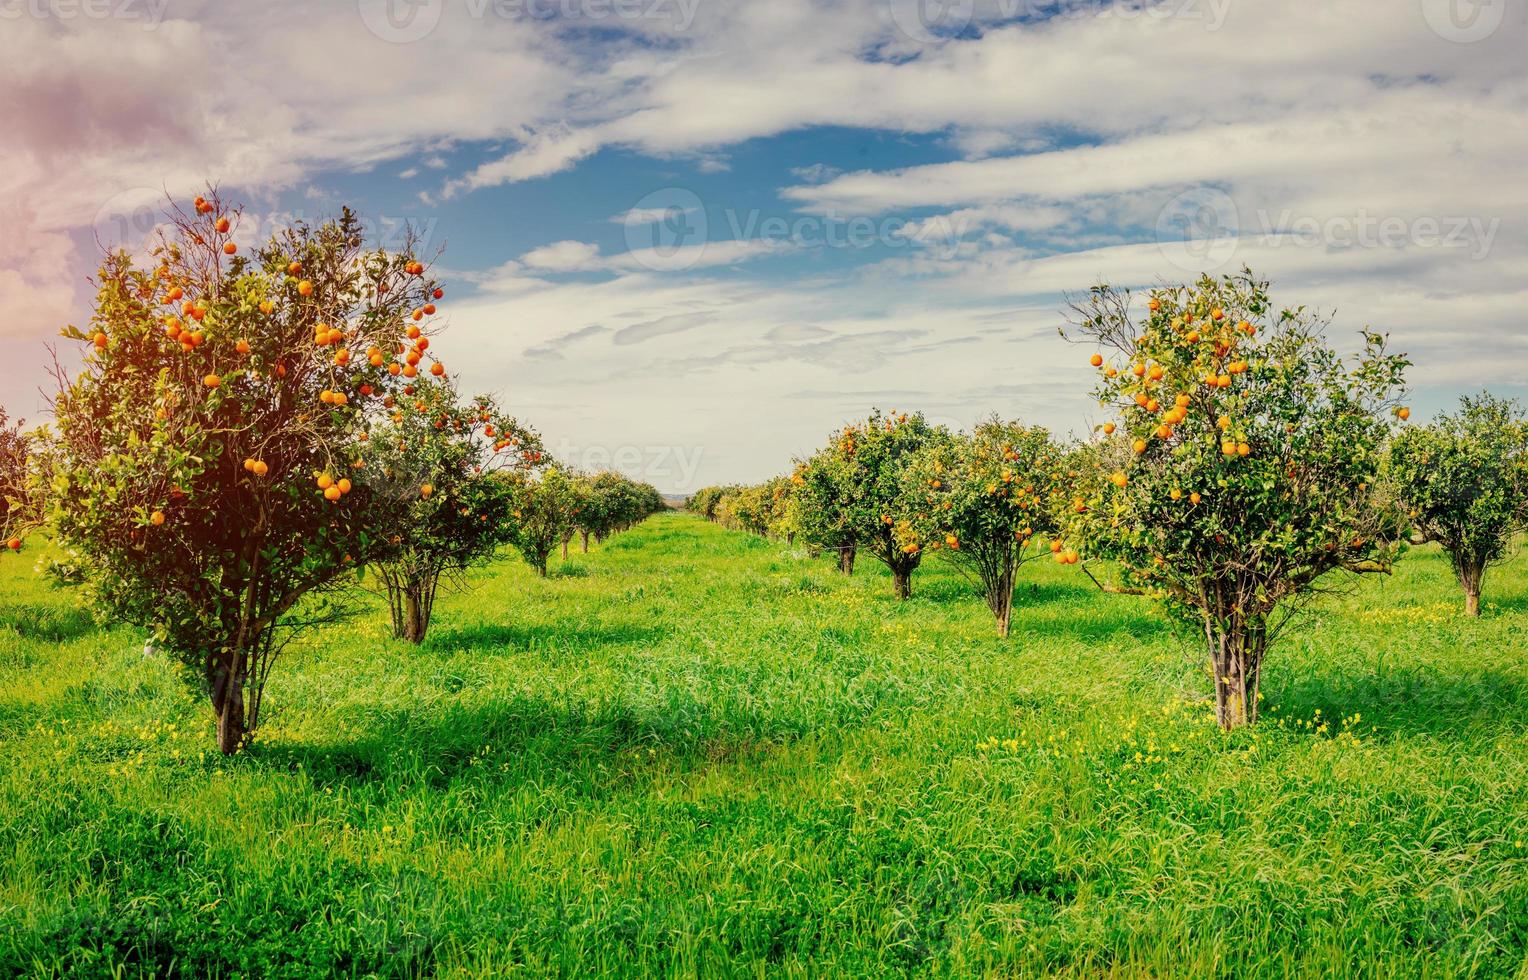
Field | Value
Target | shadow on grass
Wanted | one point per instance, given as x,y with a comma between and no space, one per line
526,739
1410,700
530,636
46,621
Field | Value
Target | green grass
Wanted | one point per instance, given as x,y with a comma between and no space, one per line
694,752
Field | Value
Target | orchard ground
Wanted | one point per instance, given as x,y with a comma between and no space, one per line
695,751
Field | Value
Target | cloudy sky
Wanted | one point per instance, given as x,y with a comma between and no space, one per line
691,236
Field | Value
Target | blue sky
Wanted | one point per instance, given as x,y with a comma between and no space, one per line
690,237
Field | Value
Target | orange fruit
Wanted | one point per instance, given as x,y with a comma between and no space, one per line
101,341
242,346
229,248
305,288
212,381
1096,360
156,518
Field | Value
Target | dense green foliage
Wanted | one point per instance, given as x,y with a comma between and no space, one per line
984,497
692,753
543,512
17,501
443,454
852,493
1464,480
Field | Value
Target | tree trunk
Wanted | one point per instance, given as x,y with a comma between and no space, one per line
902,581
415,620
227,692
586,542
790,539
846,560
1236,656
1000,601
411,599
1471,577
565,543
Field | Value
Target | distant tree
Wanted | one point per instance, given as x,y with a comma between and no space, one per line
442,455
542,512
200,471
853,496
785,508
1244,467
983,498
1464,481
18,498
704,501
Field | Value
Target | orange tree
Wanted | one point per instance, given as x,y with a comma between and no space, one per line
1243,468
853,492
1464,481
824,488
704,501
983,499
202,461
440,454
18,511
543,510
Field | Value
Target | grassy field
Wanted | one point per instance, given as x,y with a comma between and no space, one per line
693,752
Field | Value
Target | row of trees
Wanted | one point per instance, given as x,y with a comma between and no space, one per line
253,427
1245,467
